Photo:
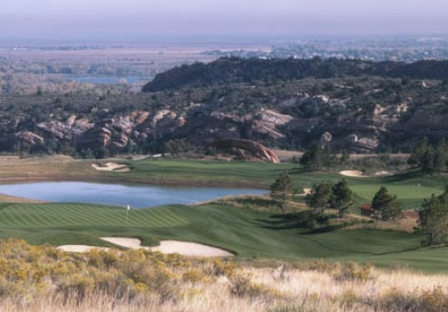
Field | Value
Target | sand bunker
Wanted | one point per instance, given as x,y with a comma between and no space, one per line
352,173
111,167
306,191
190,249
79,248
383,174
133,243
166,247
359,174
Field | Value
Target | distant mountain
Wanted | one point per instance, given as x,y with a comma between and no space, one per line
349,105
237,70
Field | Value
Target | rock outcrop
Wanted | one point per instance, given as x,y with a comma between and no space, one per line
246,149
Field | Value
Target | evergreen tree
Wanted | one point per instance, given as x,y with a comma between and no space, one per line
320,195
344,160
429,158
341,198
313,159
427,161
281,188
417,154
440,157
328,158
433,219
386,206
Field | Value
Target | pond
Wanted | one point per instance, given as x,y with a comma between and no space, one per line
119,195
95,79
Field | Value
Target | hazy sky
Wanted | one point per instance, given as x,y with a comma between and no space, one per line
139,19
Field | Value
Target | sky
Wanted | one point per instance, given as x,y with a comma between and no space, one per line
123,20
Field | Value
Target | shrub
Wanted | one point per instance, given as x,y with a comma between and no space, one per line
351,271
242,286
219,268
193,276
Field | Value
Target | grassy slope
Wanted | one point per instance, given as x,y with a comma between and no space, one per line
246,232
410,188
405,186
249,233
207,171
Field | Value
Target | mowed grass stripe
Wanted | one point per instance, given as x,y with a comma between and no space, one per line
8,218
207,170
171,217
403,192
85,215
25,219
157,220
244,231
63,215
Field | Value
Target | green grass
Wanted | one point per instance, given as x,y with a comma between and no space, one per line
250,234
410,195
411,188
239,172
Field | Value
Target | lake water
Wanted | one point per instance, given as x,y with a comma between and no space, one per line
119,195
106,79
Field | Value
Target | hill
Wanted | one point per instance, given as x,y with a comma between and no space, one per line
350,105
246,71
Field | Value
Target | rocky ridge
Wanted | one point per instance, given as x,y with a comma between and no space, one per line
359,114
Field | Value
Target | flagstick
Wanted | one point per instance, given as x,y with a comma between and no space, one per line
127,212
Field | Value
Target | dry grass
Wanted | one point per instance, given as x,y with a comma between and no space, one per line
14,199
43,279
404,224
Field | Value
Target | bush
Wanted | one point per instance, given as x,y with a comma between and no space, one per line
242,286
351,271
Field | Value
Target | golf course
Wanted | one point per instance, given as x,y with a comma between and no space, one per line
249,227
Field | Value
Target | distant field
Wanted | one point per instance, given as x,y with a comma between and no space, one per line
410,188
410,195
207,171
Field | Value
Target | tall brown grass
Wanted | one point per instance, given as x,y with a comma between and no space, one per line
44,279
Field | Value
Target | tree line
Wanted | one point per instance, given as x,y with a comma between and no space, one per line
430,157
433,213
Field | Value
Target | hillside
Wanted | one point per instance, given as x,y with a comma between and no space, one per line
236,70
290,104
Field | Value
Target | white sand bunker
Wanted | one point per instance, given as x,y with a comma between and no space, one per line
383,174
360,174
306,191
190,249
111,167
352,173
167,247
133,243
79,248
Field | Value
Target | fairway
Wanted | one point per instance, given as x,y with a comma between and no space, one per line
248,233
203,172
410,195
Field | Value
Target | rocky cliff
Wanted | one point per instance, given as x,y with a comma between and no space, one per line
360,109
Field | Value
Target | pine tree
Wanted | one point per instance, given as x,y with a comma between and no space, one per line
433,219
341,198
386,206
440,157
416,158
319,197
313,159
281,188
